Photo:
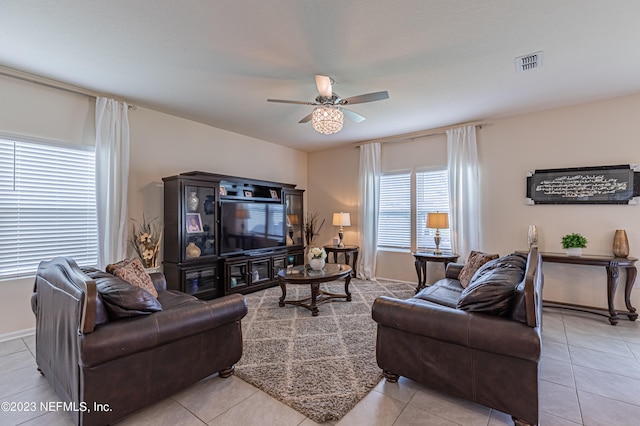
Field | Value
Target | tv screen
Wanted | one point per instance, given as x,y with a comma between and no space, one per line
251,226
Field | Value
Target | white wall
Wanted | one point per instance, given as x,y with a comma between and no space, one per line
32,110
161,145
333,187
333,175
591,134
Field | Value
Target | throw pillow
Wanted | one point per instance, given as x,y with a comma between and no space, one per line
121,299
493,286
133,272
113,266
474,262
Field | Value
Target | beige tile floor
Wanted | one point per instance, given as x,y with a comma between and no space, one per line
590,375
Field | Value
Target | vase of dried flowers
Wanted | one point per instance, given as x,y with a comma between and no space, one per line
145,240
311,227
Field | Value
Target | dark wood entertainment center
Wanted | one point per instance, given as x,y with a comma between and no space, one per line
227,234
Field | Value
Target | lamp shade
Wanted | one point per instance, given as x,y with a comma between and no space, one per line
327,119
438,220
292,219
243,214
341,219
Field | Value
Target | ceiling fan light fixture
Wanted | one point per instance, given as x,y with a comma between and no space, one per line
327,119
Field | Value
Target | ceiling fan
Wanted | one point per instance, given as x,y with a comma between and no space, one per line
328,115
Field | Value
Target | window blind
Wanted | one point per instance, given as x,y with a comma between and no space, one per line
394,217
432,195
48,205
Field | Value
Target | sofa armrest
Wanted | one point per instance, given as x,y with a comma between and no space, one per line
487,333
159,281
453,270
122,338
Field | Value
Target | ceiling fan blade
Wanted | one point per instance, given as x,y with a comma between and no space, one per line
324,86
353,116
369,97
282,101
306,119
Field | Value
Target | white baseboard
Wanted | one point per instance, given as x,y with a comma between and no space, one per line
17,334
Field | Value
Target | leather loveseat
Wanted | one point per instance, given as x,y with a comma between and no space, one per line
481,343
102,340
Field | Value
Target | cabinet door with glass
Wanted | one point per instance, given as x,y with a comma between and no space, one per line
261,271
295,219
202,281
199,221
236,275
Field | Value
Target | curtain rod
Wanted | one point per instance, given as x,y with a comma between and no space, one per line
53,84
421,133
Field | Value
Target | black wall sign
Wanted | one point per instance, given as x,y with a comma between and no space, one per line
584,185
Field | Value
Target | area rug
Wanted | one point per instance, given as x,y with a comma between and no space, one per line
320,366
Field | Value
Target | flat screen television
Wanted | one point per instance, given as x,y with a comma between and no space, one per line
247,226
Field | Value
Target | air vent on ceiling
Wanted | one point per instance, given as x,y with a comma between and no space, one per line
529,62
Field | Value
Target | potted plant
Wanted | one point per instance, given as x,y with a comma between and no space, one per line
573,244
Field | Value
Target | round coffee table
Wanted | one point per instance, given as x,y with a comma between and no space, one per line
306,275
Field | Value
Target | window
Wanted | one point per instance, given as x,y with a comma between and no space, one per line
432,195
48,206
394,220
395,224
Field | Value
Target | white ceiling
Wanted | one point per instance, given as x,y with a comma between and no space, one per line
442,62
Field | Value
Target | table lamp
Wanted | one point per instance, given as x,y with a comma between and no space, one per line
242,214
341,219
292,219
437,221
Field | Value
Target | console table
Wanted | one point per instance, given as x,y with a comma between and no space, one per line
612,265
422,257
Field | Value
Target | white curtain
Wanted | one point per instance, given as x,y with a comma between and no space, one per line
112,178
368,211
463,190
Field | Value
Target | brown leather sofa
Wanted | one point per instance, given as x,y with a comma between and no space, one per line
100,340
484,347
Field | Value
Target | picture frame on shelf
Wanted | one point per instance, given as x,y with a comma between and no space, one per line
223,191
274,194
194,223
248,193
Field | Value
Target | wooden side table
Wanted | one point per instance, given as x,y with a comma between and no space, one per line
347,251
422,257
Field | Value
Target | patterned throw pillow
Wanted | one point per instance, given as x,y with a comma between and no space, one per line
133,272
476,260
113,266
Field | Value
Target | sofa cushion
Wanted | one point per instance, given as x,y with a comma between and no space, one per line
474,262
121,299
492,288
133,272
171,298
445,292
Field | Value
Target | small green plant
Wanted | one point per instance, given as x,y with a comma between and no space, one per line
574,241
